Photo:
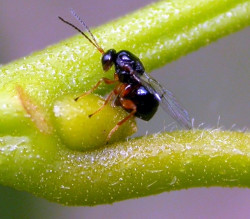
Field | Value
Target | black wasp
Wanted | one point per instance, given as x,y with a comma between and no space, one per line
135,91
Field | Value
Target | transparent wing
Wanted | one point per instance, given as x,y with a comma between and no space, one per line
167,100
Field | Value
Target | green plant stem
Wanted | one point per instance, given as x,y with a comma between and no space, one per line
139,167
38,159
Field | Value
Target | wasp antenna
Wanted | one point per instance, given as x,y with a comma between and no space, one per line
87,28
76,28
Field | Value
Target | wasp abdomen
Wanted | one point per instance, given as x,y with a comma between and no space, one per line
146,103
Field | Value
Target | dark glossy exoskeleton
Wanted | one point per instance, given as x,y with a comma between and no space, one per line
135,91
127,66
145,102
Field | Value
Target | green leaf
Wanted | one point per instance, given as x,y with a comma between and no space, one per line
45,137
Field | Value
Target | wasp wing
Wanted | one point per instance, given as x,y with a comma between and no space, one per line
166,99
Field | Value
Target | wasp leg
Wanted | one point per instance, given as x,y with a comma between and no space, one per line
113,92
105,80
105,103
126,104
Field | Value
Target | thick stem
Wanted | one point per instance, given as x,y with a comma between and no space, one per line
135,168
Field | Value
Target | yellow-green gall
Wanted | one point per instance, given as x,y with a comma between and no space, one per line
81,132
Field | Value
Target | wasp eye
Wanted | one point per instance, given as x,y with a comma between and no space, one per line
108,59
